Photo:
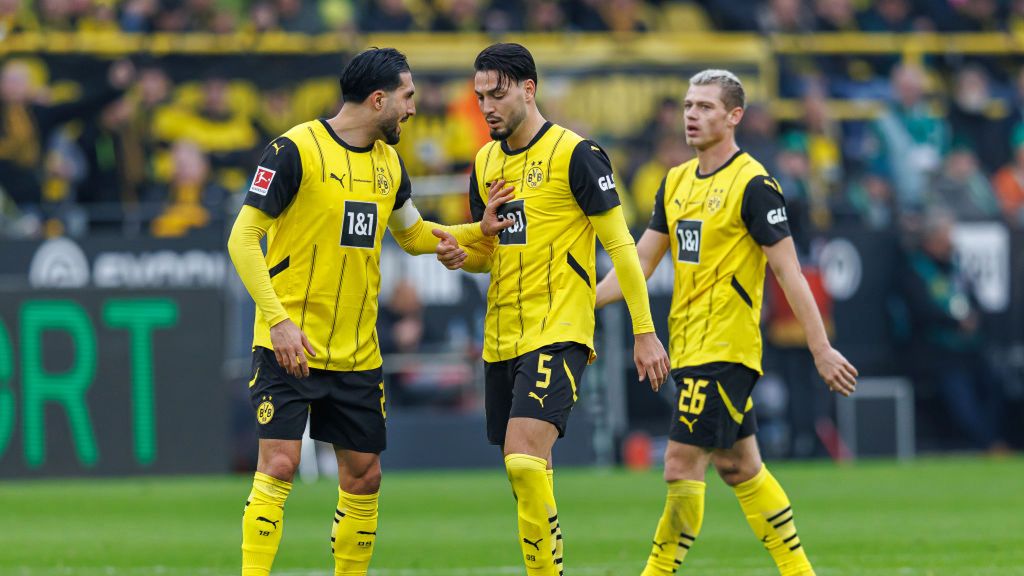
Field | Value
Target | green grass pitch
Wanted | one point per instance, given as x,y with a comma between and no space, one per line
955,516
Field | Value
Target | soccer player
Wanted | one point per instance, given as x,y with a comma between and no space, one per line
539,327
322,194
723,216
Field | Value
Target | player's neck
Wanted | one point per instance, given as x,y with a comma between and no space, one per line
352,127
522,137
715,157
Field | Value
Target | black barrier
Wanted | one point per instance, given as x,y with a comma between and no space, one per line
111,382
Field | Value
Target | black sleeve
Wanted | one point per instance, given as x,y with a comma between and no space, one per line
659,222
591,179
476,202
276,180
764,211
404,187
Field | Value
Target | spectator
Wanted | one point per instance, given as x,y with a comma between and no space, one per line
963,189
784,17
947,342
979,120
458,16
27,123
758,135
871,198
911,139
670,151
298,16
890,16
1009,182
190,198
544,16
387,16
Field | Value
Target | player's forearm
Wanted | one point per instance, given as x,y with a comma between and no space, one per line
608,290
614,235
244,248
479,256
801,300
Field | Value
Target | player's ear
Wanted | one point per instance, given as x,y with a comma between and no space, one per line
734,117
377,100
530,87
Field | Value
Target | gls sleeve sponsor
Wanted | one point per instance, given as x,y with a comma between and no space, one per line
764,211
276,179
591,179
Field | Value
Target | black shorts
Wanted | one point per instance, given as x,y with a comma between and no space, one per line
713,404
542,384
344,408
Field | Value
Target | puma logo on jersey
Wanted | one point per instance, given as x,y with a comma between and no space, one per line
534,544
777,215
340,180
660,545
678,203
277,147
606,183
538,398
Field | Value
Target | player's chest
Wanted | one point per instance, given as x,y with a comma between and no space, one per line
350,200
543,209
701,216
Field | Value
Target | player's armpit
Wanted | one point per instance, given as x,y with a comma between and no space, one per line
615,237
250,227
415,235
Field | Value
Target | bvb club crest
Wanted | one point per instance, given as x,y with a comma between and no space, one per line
383,183
535,175
715,201
265,411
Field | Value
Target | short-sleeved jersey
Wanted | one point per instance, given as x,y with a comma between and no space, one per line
543,270
717,224
331,202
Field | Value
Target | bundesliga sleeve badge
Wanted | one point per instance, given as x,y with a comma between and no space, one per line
261,181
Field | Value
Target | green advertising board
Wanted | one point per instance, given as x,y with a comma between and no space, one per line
100,382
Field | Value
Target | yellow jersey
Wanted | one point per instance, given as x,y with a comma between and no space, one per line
543,275
331,202
717,224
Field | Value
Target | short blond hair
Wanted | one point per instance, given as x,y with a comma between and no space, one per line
733,95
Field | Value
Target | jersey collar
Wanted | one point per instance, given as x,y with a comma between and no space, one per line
342,143
720,168
540,134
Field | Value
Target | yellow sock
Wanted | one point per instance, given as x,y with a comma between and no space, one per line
263,524
559,550
536,505
354,533
678,527
770,515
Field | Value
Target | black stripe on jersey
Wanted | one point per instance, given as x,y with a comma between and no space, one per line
323,166
391,177
334,319
362,307
577,268
497,309
519,303
309,283
487,160
743,294
526,162
547,178
348,160
504,160
280,266
711,309
551,256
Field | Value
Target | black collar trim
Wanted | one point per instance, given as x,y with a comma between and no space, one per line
342,143
540,134
720,168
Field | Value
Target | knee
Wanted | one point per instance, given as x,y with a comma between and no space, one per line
677,467
365,481
279,465
734,472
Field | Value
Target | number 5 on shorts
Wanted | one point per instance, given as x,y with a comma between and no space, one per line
543,370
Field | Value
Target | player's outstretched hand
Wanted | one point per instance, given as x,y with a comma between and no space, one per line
651,359
448,250
290,347
836,371
492,223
